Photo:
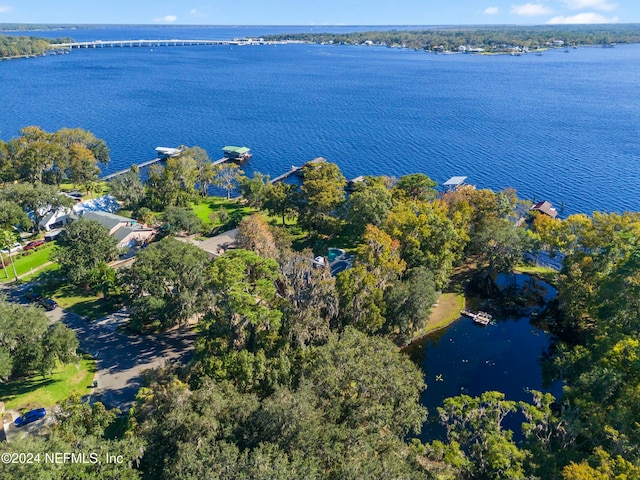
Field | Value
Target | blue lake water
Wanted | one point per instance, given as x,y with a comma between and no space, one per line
562,126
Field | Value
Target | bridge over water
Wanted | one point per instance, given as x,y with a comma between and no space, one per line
161,43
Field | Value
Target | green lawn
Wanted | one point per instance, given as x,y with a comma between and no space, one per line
76,299
36,275
210,205
39,391
446,311
102,188
27,263
546,274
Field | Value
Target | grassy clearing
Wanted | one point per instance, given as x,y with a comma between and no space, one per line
212,205
320,244
101,188
446,311
546,274
36,274
75,299
27,263
443,314
39,391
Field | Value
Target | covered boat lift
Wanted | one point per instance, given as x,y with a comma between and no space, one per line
237,153
454,183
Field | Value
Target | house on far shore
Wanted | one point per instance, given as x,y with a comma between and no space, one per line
127,231
545,207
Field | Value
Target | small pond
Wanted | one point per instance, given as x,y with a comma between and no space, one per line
466,358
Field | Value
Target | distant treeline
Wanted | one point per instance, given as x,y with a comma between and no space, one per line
20,46
495,37
34,27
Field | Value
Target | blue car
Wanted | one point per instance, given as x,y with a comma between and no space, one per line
30,416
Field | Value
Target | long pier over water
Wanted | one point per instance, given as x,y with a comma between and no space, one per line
151,162
162,43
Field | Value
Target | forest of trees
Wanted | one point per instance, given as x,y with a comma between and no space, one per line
40,157
298,374
18,46
494,37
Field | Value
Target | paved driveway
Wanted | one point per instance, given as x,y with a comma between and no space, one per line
122,358
214,246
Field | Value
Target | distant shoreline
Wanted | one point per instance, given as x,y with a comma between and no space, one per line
446,39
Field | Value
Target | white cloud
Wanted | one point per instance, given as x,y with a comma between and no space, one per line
5,8
530,10
491,11
166,19
595,4
583,18
193,11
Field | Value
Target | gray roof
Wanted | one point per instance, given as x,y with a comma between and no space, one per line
454,182
122,233
108,220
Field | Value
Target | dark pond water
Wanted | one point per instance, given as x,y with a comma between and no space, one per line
466,358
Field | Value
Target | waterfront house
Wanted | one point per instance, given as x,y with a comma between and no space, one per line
127,231
110,221
133,235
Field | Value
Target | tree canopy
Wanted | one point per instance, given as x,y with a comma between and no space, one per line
29,344
167,285
82,247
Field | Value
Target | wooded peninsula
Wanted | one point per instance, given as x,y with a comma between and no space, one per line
22,46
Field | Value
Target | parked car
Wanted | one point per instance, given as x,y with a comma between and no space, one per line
50,236
48,303
30,416
14,248
34,244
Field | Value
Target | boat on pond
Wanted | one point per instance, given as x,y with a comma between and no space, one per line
481,318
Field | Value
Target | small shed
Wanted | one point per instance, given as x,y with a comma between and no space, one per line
545,207
454,183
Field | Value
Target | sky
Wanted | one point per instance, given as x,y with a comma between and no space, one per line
322,12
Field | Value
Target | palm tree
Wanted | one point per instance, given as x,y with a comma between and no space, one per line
4,267
7,239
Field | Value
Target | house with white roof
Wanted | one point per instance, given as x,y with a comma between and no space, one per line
57,218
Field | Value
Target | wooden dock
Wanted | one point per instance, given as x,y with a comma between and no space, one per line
140,165
286,174
295,169
481,318
220,160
